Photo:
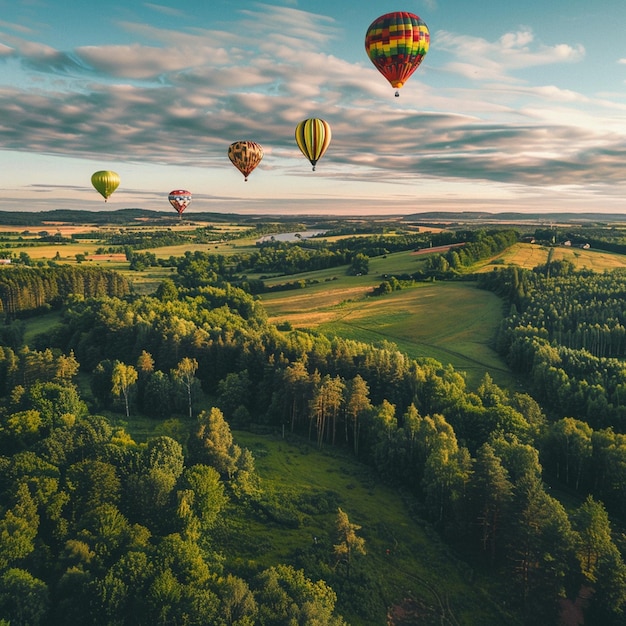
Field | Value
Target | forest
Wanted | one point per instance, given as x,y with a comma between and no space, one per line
525,485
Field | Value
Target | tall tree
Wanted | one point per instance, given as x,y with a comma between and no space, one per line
207,497
349,544
541,550
216,442
286,596
18,528
325,406
357,403
237,604
24,599
123,377
490,490
185,372
601,562
568,444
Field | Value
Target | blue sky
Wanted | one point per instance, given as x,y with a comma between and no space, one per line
516,107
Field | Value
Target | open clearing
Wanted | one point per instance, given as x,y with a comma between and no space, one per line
416,564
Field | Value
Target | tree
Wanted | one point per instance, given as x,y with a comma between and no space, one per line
490,490
601,562
234,391
21,429
185,373
106,531
237,604
123,378
541,549
66,368
57,404
24,599
360,264
203,497
357,404
325,405
216,442
164,453
122,590
286,596
91,483
145,363
145,369
18,528
446,469
158,395
349,543
167,291
490,394
568,443
294,392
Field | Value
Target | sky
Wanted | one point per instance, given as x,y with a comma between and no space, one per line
516,106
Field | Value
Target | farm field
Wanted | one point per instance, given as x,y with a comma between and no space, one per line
452,322
529,256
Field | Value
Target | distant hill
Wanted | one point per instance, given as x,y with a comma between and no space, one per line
120,216
463,217
444,218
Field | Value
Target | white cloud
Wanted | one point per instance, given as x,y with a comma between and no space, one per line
494,60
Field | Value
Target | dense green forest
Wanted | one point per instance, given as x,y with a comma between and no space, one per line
98,528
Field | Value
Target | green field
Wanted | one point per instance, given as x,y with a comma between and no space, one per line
452,322
418,565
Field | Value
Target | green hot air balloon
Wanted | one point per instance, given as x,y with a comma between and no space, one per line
105,182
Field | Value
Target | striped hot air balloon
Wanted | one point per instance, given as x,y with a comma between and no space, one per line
313,137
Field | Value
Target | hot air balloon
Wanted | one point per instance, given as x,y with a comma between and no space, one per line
105,182
180,200
245,156
396,43
313,137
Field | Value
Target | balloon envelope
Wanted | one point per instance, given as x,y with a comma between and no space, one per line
105,182
313,137
396,43
179,199
245,156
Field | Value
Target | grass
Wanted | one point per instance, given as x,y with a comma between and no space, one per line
452,322
40,324
529,256
404,554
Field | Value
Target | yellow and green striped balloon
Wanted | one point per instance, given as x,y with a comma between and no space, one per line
313,137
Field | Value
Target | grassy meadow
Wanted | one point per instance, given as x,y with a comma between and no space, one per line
452,322
403,553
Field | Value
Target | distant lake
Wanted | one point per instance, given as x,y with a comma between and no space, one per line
304,234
